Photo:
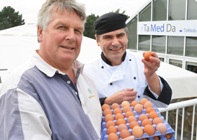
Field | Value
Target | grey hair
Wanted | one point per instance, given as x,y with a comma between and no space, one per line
44,15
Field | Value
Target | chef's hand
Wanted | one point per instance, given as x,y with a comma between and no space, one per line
150,67
123,95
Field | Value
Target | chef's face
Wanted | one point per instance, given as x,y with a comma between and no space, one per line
113,45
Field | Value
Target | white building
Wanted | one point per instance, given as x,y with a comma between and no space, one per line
168,27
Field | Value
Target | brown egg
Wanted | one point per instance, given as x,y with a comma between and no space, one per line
161,127
149,109
133,124
108,117
157,120
129,138
119,116
138,108
105,106
111,129
133,103
124,133
117,110
146,121
120,121
113,136
149,129
137,132
131,118
107,111
129,113
153,114
148,104
143,101
156,138
126,109
125,103
147,55
115,105
109,123
142,117
121,127
168,136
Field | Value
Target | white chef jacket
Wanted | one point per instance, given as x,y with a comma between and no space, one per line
110,79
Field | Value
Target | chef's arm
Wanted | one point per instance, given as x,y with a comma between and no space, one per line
165,94
154,83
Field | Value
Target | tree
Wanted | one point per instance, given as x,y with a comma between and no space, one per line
10,18
89,26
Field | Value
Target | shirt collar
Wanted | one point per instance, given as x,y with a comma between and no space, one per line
107,61
49,70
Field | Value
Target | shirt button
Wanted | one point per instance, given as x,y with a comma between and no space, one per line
102,67
134,78
68,82
138,96
111,83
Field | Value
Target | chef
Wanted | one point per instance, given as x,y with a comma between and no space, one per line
121,75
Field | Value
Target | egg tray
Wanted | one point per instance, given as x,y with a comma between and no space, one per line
104,135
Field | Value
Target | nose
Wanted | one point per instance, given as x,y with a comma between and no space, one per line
70,35
115,41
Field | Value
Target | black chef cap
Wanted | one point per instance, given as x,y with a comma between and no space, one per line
109,22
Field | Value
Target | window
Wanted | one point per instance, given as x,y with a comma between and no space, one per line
191,46
159,10
144,42
191,66
174,62
175,45
161,59
132,27
145,14
158,43
177,13
192,5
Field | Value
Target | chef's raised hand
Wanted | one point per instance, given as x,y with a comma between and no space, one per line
151,65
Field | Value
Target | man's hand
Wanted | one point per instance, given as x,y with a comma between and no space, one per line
150,68
128,94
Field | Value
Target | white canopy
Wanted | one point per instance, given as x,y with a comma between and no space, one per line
18,43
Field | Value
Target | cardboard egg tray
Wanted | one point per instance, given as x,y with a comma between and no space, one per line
145,135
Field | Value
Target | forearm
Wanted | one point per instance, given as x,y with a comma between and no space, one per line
165,95
154,83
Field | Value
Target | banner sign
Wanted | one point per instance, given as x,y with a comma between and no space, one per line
172,28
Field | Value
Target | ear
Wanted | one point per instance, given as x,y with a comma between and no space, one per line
39,33
97,40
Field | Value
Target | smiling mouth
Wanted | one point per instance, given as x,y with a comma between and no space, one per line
115,49
69,48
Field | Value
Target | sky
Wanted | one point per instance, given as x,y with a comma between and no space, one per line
30,8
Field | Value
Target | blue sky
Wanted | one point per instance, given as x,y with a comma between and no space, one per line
29,8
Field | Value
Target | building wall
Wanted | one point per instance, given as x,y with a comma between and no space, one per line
168,27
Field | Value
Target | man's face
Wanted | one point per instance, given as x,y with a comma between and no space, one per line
113,44
60,43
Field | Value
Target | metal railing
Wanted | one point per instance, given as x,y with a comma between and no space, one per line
182,117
